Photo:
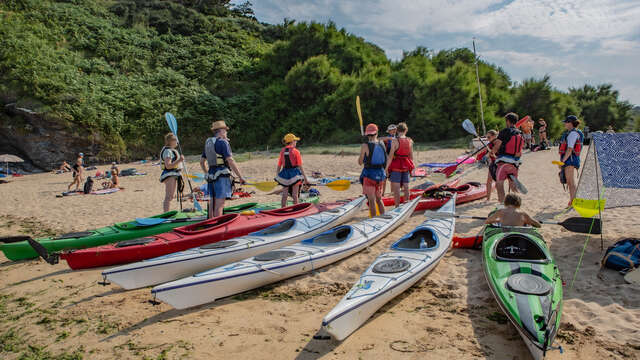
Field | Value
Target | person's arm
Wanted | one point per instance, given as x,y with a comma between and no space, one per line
234,167
571,142
299,156
411,149
204,165
528,220
494,218
392,152
363,151
496,145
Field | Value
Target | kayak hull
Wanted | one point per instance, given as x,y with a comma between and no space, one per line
376,288
181,264
510,254
286,262
183,238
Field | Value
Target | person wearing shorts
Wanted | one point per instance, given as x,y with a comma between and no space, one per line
400,163
290,173
491,174
373,156
569,150
217,162
507,150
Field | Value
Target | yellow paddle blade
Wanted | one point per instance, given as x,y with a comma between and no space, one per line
359,110
191,176
588,208
339,185
556,162
265,186
248,212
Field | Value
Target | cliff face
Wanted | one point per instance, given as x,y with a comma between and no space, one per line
42,142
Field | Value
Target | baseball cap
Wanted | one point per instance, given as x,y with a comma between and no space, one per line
570,118
372,129
289,138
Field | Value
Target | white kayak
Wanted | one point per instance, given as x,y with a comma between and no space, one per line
411,257
289,261
185,263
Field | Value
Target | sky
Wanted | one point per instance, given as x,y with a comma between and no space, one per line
576,42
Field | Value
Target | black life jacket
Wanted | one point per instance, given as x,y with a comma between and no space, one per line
288,164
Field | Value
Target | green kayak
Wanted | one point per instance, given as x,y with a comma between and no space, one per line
19,250
525,282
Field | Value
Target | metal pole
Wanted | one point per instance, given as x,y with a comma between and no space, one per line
484,128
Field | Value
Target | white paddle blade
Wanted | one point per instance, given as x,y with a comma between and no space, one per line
468,126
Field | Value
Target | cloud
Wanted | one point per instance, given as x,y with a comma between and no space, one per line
575,41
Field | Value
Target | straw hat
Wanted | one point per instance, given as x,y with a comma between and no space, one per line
219,125
290,138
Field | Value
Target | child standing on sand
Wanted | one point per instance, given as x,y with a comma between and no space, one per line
491,160
511,214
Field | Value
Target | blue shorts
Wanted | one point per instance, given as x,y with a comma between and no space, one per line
401,177
221,188
572,161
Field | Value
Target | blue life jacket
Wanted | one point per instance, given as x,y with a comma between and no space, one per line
377,157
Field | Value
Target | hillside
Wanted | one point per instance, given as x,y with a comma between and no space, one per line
96,76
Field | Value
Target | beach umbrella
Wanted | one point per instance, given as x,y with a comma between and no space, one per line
8,158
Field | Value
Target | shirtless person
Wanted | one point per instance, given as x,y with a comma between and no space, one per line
511,215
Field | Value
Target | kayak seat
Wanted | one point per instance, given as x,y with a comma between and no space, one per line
517,247
289,209
528,284
219,244
275,255
391,266
134,242
74,235
278,228
418,240
333,236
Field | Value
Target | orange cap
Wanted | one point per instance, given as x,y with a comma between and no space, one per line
372,129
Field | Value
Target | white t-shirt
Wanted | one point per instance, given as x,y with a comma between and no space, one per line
572,138
169,154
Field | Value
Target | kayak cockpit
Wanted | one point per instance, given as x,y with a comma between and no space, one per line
207,225
278,228
286,211
520,248
420,239
129,225
331,237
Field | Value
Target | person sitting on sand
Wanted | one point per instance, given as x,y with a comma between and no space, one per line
78,170
511,214
373,156
115,180
507,150
290,172
400,163
64,167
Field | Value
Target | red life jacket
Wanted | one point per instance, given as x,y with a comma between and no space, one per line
513,146
401,161
577,147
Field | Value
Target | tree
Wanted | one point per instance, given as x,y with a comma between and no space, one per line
601,107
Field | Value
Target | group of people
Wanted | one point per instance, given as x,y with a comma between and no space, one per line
388,158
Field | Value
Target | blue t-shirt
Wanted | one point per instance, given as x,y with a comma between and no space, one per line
222,148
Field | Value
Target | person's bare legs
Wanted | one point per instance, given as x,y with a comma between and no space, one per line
407,195
218,207
371,198
500,190
395,188
489,186
170,185
569,173
380,205
295,191
285,196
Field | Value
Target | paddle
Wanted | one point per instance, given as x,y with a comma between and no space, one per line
14,239
156,221
556,162
470,128
42,251
574,224
173,126
359,110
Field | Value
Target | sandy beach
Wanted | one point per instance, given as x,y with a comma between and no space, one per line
51,310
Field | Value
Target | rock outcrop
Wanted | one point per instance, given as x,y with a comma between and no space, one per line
43,142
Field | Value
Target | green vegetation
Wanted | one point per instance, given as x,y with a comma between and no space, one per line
114,67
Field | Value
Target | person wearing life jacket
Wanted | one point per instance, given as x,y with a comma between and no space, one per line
171,174
78,171
507,150
373,156
570,147
217,162
290,172
400,163
387,140
492,135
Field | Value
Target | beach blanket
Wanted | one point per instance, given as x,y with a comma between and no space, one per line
437,165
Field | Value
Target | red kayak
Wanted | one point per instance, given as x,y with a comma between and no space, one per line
209,231
437,196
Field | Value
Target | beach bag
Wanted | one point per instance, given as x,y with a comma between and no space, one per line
623,255
88,186
128,172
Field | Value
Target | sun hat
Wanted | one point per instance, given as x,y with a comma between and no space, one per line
391,127
219,125
372,129
290,138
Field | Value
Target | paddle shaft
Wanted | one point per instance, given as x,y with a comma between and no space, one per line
452,168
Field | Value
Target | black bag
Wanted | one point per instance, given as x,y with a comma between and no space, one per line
88,186
562,176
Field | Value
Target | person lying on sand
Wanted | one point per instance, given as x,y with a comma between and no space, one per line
65,167
511,215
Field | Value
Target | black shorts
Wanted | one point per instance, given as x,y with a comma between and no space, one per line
493,168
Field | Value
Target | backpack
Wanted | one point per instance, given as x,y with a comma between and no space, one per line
88,186
623,255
